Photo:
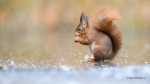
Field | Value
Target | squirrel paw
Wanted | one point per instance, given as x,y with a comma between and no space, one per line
76,39
89,58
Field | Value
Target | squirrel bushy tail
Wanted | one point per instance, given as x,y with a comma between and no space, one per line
103,21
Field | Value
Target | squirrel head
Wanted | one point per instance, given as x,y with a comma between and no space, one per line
81,29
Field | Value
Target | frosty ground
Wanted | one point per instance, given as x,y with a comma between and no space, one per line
138,74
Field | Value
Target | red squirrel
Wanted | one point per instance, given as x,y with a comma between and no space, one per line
101,32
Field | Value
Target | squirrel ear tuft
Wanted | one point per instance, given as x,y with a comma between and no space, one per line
84,18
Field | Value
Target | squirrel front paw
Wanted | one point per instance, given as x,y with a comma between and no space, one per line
76,39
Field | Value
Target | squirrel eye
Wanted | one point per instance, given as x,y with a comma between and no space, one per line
79,29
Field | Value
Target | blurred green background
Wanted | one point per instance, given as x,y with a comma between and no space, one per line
42,31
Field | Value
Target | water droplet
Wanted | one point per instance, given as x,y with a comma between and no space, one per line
62,59
12,62
27,60
8,61
126,60
86,57
147,62
117,64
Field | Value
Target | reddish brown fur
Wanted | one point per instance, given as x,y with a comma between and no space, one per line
106,25
102,32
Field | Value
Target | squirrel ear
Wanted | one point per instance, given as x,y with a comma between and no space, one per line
84,19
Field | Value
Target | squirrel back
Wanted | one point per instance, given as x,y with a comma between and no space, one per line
103,21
